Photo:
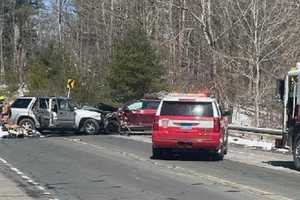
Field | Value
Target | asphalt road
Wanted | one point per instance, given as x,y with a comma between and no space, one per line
110,168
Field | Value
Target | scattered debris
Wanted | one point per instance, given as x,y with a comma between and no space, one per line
3,134
76,140
283,150
252,143
15,131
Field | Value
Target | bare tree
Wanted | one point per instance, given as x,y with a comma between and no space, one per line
265,32
1,42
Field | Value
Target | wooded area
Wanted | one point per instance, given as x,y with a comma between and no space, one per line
234,48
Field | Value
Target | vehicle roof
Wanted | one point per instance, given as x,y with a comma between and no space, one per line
188,97
294,73
150,99
131,101
30,97
25,97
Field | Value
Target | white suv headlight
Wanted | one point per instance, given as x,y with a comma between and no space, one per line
96,116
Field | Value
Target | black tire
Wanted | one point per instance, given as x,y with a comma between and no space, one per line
225,151
91,127
226,148
112,127
226,143
27,123
156,153
219,154
296,153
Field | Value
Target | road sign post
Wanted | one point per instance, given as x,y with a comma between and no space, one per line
70,85
69,92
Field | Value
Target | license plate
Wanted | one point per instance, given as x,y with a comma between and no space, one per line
185,144
186,126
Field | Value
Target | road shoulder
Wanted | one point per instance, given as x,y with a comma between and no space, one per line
245,154
10,189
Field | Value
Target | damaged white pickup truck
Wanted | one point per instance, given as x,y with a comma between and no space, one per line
54,113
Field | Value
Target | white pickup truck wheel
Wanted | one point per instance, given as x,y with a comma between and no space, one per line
27,124
91,127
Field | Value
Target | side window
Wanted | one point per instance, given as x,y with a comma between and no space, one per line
21,103
217,110
136,106
44,103
64,105
54,106
151,104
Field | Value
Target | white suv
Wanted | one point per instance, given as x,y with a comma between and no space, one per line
54,113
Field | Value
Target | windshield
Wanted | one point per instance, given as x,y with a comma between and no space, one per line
64,105
151,104
144,104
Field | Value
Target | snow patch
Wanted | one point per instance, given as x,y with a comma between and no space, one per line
283,150
251,143
3,134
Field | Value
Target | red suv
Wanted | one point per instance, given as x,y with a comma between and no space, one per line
134,116
189,122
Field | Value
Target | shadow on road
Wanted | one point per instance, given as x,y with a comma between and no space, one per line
69,134
61,134
187,156
285,164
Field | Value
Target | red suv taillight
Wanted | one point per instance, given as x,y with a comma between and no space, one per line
156,123
217,124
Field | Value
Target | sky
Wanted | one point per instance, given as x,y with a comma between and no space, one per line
47,3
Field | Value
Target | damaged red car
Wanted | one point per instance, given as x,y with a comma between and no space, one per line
133,117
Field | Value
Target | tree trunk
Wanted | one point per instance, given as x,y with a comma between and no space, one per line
172,57
15,39
257,96
213,45
111,27
180,41
257,65
60,5
21,64
2,78
1,58
17,49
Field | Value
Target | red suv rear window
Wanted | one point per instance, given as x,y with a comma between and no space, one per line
150,104
202,109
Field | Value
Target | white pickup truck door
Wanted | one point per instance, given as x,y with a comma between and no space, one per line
41,111
62,113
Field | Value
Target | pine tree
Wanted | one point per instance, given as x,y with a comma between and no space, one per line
135,68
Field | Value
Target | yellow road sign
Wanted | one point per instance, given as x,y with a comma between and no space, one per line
70,83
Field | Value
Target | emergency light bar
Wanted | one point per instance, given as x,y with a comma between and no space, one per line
187,95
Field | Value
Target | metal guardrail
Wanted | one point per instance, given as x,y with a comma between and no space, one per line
254,130
268,131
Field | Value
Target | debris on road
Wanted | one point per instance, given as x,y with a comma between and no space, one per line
3,133
15,131
268,146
